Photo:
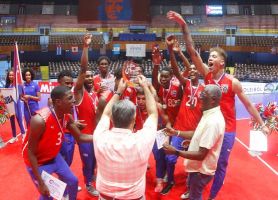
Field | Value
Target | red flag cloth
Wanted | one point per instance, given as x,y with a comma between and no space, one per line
18,80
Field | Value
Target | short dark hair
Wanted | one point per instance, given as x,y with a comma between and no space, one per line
167,69
31,72
123,113
64,73
220,52
59,92
103,58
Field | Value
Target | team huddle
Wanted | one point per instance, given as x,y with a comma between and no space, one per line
114,121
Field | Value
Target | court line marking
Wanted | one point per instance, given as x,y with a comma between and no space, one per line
264,162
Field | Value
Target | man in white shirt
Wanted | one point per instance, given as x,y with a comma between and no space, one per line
121,154
206,141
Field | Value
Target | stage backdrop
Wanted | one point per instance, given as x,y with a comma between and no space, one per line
113,10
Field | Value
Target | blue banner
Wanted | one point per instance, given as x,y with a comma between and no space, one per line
116,49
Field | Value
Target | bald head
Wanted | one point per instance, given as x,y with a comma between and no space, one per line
210,97
214,91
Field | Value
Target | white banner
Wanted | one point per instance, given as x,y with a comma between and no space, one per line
136,50
187,10
4,9
9,96
259,88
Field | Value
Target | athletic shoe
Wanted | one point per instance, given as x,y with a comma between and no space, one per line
91,190
13,140
185,195
167,188
158,187
165,178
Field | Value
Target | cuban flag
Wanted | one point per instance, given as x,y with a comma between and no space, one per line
18,83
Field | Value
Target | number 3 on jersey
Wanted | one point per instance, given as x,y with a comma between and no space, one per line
59,139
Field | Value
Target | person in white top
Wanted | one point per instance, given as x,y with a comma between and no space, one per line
121,154
206,141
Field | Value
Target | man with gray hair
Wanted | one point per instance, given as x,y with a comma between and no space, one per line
121,154
206,141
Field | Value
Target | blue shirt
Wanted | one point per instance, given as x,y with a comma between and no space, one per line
32,89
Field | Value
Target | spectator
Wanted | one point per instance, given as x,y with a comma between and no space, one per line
31,95
17,106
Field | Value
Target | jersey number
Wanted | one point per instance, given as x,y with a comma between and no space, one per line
191,102
59,138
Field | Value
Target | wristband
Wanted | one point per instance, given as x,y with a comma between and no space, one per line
178,133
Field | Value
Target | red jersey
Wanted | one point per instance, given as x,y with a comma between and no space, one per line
50,141
190,110
227,103
140,119
170,99
86,111
109,82
129,93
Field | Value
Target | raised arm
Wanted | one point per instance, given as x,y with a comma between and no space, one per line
194,55
108,108
170,41
78,88
150,101
237,88
156,59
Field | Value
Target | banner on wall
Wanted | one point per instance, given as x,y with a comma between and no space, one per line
74,49
116,49
259,88
136,50
46,86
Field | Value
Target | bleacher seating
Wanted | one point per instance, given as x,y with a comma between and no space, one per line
261,41
209,40
74,39
6,40
56,67
256,72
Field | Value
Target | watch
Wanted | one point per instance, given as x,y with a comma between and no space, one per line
118,93
177,152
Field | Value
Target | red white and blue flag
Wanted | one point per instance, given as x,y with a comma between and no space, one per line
18,84
18,81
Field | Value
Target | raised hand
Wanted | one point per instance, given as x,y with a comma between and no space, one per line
176,46
142,80
122,86
156,55
87,39
170,41
176,17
